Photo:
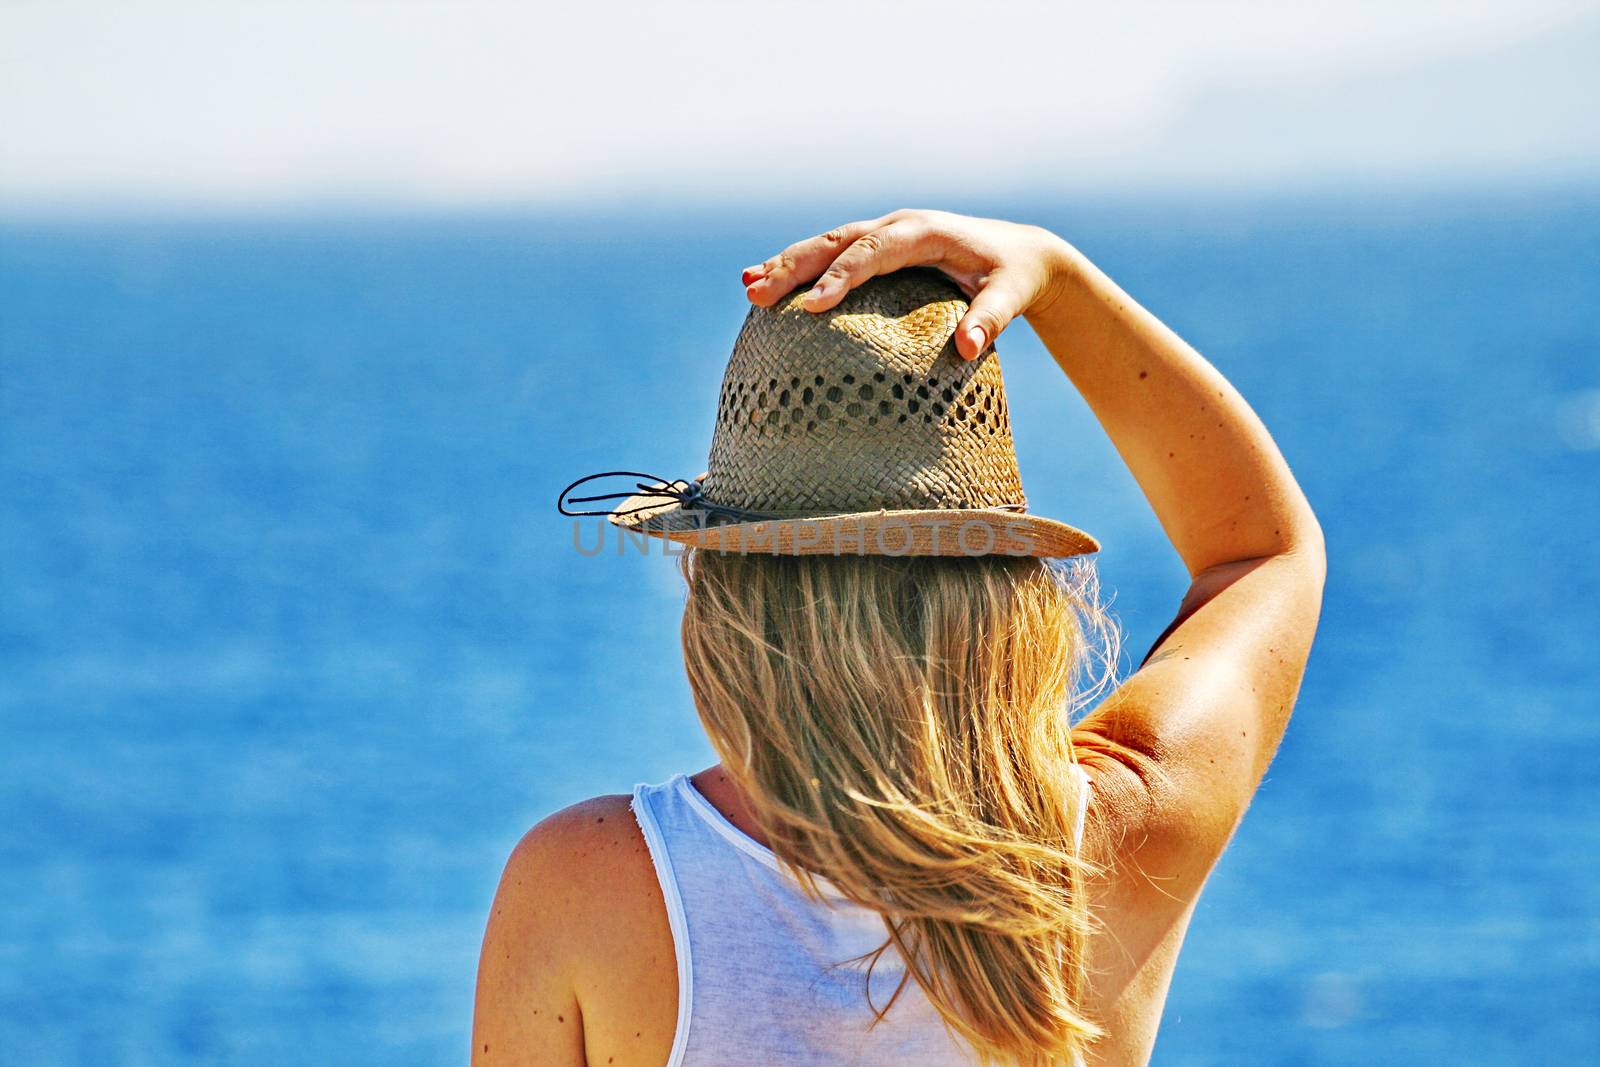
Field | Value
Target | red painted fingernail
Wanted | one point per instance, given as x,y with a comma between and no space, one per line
751,274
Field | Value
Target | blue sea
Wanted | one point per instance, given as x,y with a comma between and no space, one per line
293,645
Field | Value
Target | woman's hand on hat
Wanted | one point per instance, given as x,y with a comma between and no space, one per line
1005,268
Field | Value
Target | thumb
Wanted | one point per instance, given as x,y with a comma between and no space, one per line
996,304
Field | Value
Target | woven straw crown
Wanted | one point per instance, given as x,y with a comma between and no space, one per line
864,407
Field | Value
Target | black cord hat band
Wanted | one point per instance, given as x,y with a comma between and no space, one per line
688,493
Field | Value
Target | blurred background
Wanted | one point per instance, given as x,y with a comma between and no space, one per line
308,310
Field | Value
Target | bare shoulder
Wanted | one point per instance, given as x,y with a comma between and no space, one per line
578,845
578,873
577,889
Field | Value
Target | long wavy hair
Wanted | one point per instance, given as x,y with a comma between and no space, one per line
902,728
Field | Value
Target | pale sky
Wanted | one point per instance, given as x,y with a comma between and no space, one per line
467,103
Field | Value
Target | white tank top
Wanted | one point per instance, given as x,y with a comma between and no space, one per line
767,974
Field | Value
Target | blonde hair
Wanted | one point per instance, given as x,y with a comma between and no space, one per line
901,728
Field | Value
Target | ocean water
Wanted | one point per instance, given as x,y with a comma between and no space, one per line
293,645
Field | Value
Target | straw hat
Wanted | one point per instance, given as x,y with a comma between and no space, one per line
857,430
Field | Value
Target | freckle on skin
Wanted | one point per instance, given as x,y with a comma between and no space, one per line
1143,375
561,1018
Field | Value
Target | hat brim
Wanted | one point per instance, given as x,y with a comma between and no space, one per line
953,532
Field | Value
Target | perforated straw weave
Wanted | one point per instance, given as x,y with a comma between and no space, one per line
864,415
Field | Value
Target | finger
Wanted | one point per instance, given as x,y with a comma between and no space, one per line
899,244
1000,300
770,281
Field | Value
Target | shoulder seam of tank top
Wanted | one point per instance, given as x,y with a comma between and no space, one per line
1086,788
677,917
740,840
722,825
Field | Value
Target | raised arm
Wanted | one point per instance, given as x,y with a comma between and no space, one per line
1191,734
1179,748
